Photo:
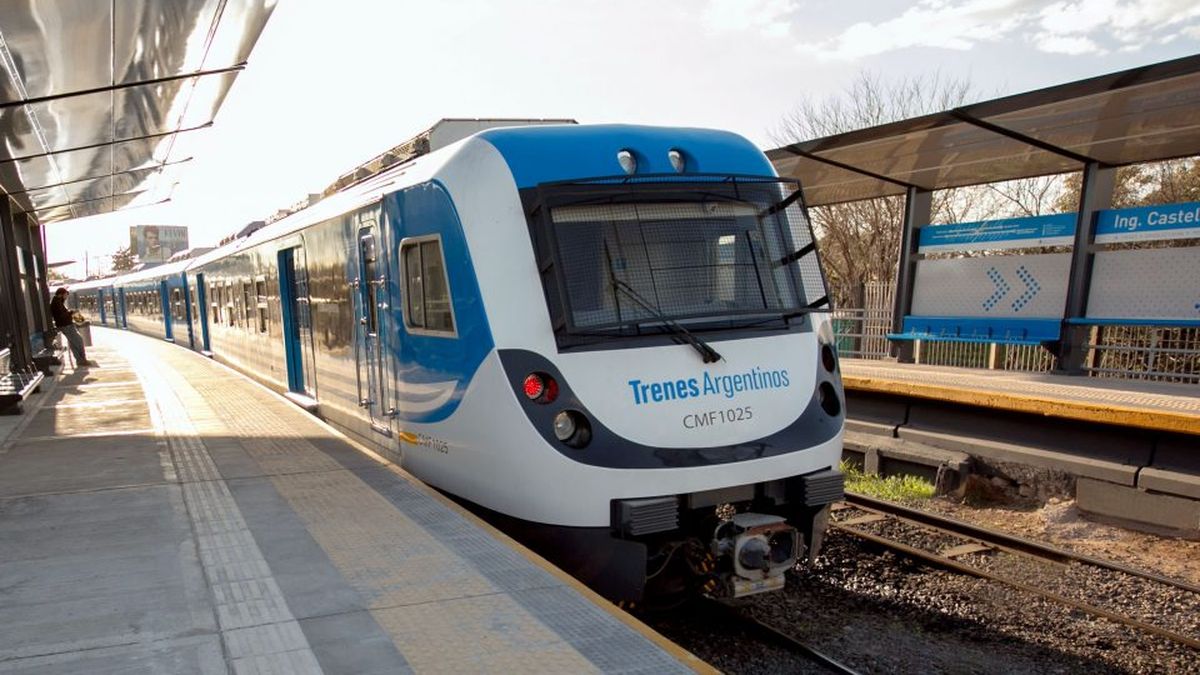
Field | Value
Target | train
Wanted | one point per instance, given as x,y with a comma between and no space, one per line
614,337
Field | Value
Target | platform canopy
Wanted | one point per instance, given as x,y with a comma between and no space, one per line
97,95
1138,115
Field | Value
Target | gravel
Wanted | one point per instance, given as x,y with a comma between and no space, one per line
1154,603
880,613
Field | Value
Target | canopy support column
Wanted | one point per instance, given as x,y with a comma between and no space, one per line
918,211
16,328
1096,191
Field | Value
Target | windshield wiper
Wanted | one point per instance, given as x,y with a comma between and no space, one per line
707,353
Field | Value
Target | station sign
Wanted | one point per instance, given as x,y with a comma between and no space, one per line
1149,223
1052,230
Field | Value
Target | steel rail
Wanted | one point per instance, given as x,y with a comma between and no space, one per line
962,568
1005,540
773,634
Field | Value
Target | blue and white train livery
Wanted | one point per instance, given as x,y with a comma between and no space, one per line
612,336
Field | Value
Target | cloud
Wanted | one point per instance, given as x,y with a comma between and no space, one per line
771,18
1064,27
1061,44
931,23
1126,24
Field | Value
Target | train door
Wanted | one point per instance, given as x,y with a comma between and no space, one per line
100,300
297,321
164,299
123,322
200,311
371,288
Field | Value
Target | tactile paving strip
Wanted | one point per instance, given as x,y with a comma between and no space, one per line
471,584
378,530
258,629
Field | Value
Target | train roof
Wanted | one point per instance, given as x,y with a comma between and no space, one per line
546,154
538,154
534,155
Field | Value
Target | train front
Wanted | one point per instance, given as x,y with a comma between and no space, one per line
688,379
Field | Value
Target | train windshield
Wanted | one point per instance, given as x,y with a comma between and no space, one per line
715,255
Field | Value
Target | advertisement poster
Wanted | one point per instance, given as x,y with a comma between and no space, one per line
157,243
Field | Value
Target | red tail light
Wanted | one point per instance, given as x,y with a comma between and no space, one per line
540,388
534,386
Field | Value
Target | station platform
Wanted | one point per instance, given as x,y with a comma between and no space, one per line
1129,403
163,514
1124,449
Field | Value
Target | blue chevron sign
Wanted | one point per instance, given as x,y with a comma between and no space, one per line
1002,287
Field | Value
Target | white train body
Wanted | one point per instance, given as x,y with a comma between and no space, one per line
674,311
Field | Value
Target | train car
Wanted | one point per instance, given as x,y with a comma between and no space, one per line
98,302
611,336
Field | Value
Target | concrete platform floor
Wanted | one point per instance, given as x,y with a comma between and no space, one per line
160,514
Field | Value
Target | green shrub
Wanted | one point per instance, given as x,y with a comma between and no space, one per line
892,488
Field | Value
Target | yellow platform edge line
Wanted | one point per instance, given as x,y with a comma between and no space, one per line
685,657
1140,418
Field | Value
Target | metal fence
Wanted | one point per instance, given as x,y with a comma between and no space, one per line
1026,358
862,333
1153,353
1145,353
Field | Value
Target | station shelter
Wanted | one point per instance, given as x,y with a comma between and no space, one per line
1045,280
100,105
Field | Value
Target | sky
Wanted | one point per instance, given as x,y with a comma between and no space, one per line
331,84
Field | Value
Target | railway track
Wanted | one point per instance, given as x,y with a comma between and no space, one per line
1006,559
772,635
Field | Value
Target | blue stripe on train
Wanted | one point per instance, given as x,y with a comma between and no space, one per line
427,359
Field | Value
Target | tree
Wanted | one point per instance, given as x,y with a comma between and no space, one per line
123,259
860,240
1167,182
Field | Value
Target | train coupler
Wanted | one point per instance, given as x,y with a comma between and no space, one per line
758,549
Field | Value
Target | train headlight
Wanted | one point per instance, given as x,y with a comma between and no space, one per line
628,161
564,426
678,161
572,428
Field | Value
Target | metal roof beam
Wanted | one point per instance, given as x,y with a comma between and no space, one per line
847,167
117,87
965,117
105,144
88,201
152,167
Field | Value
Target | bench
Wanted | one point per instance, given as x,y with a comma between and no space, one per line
1036,332
1158,323
15,386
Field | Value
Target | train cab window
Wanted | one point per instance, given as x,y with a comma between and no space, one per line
427,306
367,260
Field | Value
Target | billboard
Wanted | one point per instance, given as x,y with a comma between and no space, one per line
157,243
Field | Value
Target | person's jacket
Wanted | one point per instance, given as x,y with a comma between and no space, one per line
58,310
